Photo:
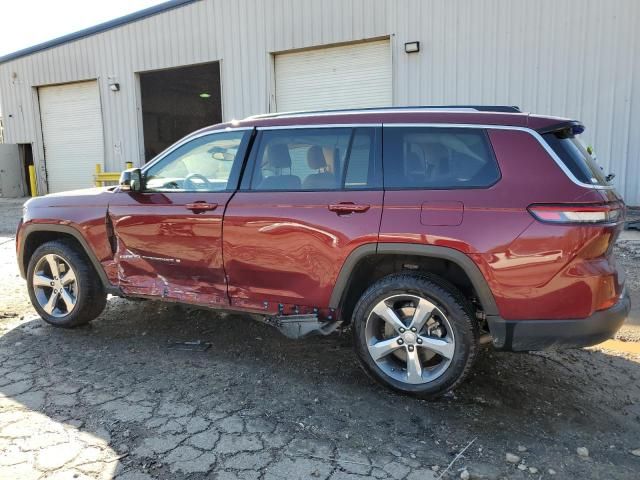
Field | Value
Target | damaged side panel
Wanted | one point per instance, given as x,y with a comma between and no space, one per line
163,249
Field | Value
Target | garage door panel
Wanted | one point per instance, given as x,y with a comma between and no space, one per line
349,76
72,132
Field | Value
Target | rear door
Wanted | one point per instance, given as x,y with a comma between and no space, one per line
440,188
169,237
309,196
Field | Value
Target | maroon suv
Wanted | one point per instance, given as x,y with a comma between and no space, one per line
428,230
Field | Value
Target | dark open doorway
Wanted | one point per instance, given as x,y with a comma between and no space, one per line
26,159
178,101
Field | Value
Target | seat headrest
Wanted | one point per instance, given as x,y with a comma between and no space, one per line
277,155
315,158
436,151
415,163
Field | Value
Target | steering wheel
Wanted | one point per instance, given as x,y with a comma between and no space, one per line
202,182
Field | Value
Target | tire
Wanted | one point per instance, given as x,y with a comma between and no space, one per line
79,295
450,329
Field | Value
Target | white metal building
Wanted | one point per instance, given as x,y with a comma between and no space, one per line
81,99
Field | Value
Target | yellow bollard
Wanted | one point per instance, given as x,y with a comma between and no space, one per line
98,172
129,165
32,181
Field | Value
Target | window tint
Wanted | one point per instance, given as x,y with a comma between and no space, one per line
576,157
438,158
203,164
360,168
313,159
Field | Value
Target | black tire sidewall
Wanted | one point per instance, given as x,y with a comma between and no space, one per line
88,295
452,305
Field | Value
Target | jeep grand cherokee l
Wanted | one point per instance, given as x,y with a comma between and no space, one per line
427,230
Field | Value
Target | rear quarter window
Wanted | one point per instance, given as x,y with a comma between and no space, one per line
438,158
575,157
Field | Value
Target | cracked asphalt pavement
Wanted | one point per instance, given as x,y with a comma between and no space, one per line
120,399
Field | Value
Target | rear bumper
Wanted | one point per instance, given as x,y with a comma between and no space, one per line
531,335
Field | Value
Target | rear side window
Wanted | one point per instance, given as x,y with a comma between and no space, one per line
438,158
575,157
315,159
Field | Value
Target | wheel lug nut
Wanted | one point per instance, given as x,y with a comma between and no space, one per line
411,348
402,330
400,341
419,340
413,329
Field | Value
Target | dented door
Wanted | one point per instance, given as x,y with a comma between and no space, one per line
167,239
166,249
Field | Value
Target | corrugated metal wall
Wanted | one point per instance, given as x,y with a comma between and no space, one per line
575,58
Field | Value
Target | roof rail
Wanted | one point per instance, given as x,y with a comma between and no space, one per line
477,108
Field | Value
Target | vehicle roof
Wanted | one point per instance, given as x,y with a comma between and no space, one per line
417,115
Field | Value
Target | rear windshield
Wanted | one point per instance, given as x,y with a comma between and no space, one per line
575,157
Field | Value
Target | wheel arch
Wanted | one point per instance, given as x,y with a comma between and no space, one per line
34,235
360,262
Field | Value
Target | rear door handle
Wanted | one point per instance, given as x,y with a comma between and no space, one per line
348,207
201,207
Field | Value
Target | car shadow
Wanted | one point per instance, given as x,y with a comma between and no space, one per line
144,363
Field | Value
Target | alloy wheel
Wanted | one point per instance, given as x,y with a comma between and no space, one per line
410,339
55,285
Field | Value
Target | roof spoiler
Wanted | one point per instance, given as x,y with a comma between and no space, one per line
576,127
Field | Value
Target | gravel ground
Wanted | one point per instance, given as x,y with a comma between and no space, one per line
118,399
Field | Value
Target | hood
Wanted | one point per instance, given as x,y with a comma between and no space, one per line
86,197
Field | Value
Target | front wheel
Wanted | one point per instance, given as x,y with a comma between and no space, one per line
415,334
63,287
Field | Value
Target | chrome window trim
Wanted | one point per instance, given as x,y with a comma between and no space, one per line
528,130
320,125
185,140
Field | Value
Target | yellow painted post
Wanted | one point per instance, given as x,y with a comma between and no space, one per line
98,172
32,181
129,165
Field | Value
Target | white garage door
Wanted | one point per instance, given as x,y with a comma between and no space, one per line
351,76
72,133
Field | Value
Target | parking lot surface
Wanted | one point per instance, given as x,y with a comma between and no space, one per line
154,390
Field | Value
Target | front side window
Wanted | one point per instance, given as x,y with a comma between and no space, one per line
202,165
315,159
438,158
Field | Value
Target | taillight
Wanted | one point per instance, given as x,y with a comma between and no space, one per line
583,213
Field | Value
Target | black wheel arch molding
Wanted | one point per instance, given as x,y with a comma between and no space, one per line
479,283
29,229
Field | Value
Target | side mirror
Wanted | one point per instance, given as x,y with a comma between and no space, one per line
131,180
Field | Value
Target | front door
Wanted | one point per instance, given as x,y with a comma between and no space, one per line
309,196
168,238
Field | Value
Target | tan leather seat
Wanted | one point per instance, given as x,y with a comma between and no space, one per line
323,179
278,158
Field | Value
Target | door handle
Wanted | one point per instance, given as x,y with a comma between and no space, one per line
201,207
344,208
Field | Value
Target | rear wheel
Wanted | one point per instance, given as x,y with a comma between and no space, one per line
63,287
415,334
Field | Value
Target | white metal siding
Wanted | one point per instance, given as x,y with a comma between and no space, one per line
72,132
349,76
574,58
